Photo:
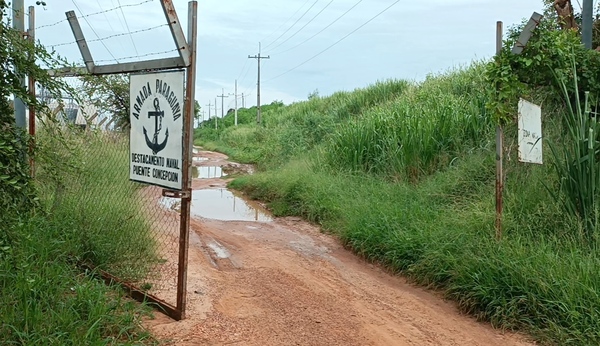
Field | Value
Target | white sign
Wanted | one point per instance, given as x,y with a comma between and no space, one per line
156,142
530,132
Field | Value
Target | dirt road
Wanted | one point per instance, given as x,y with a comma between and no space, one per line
282,282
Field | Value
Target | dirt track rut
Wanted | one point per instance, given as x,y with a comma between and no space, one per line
285,283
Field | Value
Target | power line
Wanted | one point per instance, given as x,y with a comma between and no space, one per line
336,42
108,21
325,28
296,22
284,23
95,13
127,25
245,74
304,26
94,31
119,17
243,67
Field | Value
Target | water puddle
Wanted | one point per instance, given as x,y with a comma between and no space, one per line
220,204
207,172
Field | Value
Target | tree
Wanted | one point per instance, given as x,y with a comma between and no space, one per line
566,15
110,95
19,57
197,110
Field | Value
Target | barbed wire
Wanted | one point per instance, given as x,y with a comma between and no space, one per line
140,56
108,21
95,13
61,44
127,26
111,36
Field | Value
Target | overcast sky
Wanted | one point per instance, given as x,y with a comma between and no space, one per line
407,41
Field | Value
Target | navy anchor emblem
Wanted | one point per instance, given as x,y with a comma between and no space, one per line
158,116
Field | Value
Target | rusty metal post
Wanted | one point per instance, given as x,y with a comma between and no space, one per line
499,151
31,81
188,125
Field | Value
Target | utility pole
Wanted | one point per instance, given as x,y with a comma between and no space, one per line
18,17
587,22
258,57
235,92
216,116
222,96
243,101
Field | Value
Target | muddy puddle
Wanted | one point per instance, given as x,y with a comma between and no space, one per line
207,172
220,204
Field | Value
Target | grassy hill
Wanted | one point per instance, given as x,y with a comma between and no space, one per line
404,174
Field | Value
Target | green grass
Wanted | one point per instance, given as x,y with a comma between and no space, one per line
534,280
294,129
99,199
404,174
87,213
417,133
45,299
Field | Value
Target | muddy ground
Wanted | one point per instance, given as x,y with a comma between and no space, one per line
283,282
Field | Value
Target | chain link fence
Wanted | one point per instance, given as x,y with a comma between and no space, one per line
131,232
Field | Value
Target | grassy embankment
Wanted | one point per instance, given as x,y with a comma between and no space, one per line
404,174
87,213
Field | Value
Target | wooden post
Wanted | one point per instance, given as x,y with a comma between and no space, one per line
499,152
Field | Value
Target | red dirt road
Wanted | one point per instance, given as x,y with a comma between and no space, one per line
285,283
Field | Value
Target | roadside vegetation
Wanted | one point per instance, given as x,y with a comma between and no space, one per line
47,231
404,174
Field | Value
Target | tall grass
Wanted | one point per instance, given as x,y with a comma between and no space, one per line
439,233
102,206
417,133
46,300
294,129
87,213
577,164
408,182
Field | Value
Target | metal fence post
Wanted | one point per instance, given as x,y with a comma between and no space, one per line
18,8
31,80
187,161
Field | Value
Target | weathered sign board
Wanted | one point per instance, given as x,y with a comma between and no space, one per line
530,132
156,135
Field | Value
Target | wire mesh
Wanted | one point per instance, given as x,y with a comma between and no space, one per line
133,232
